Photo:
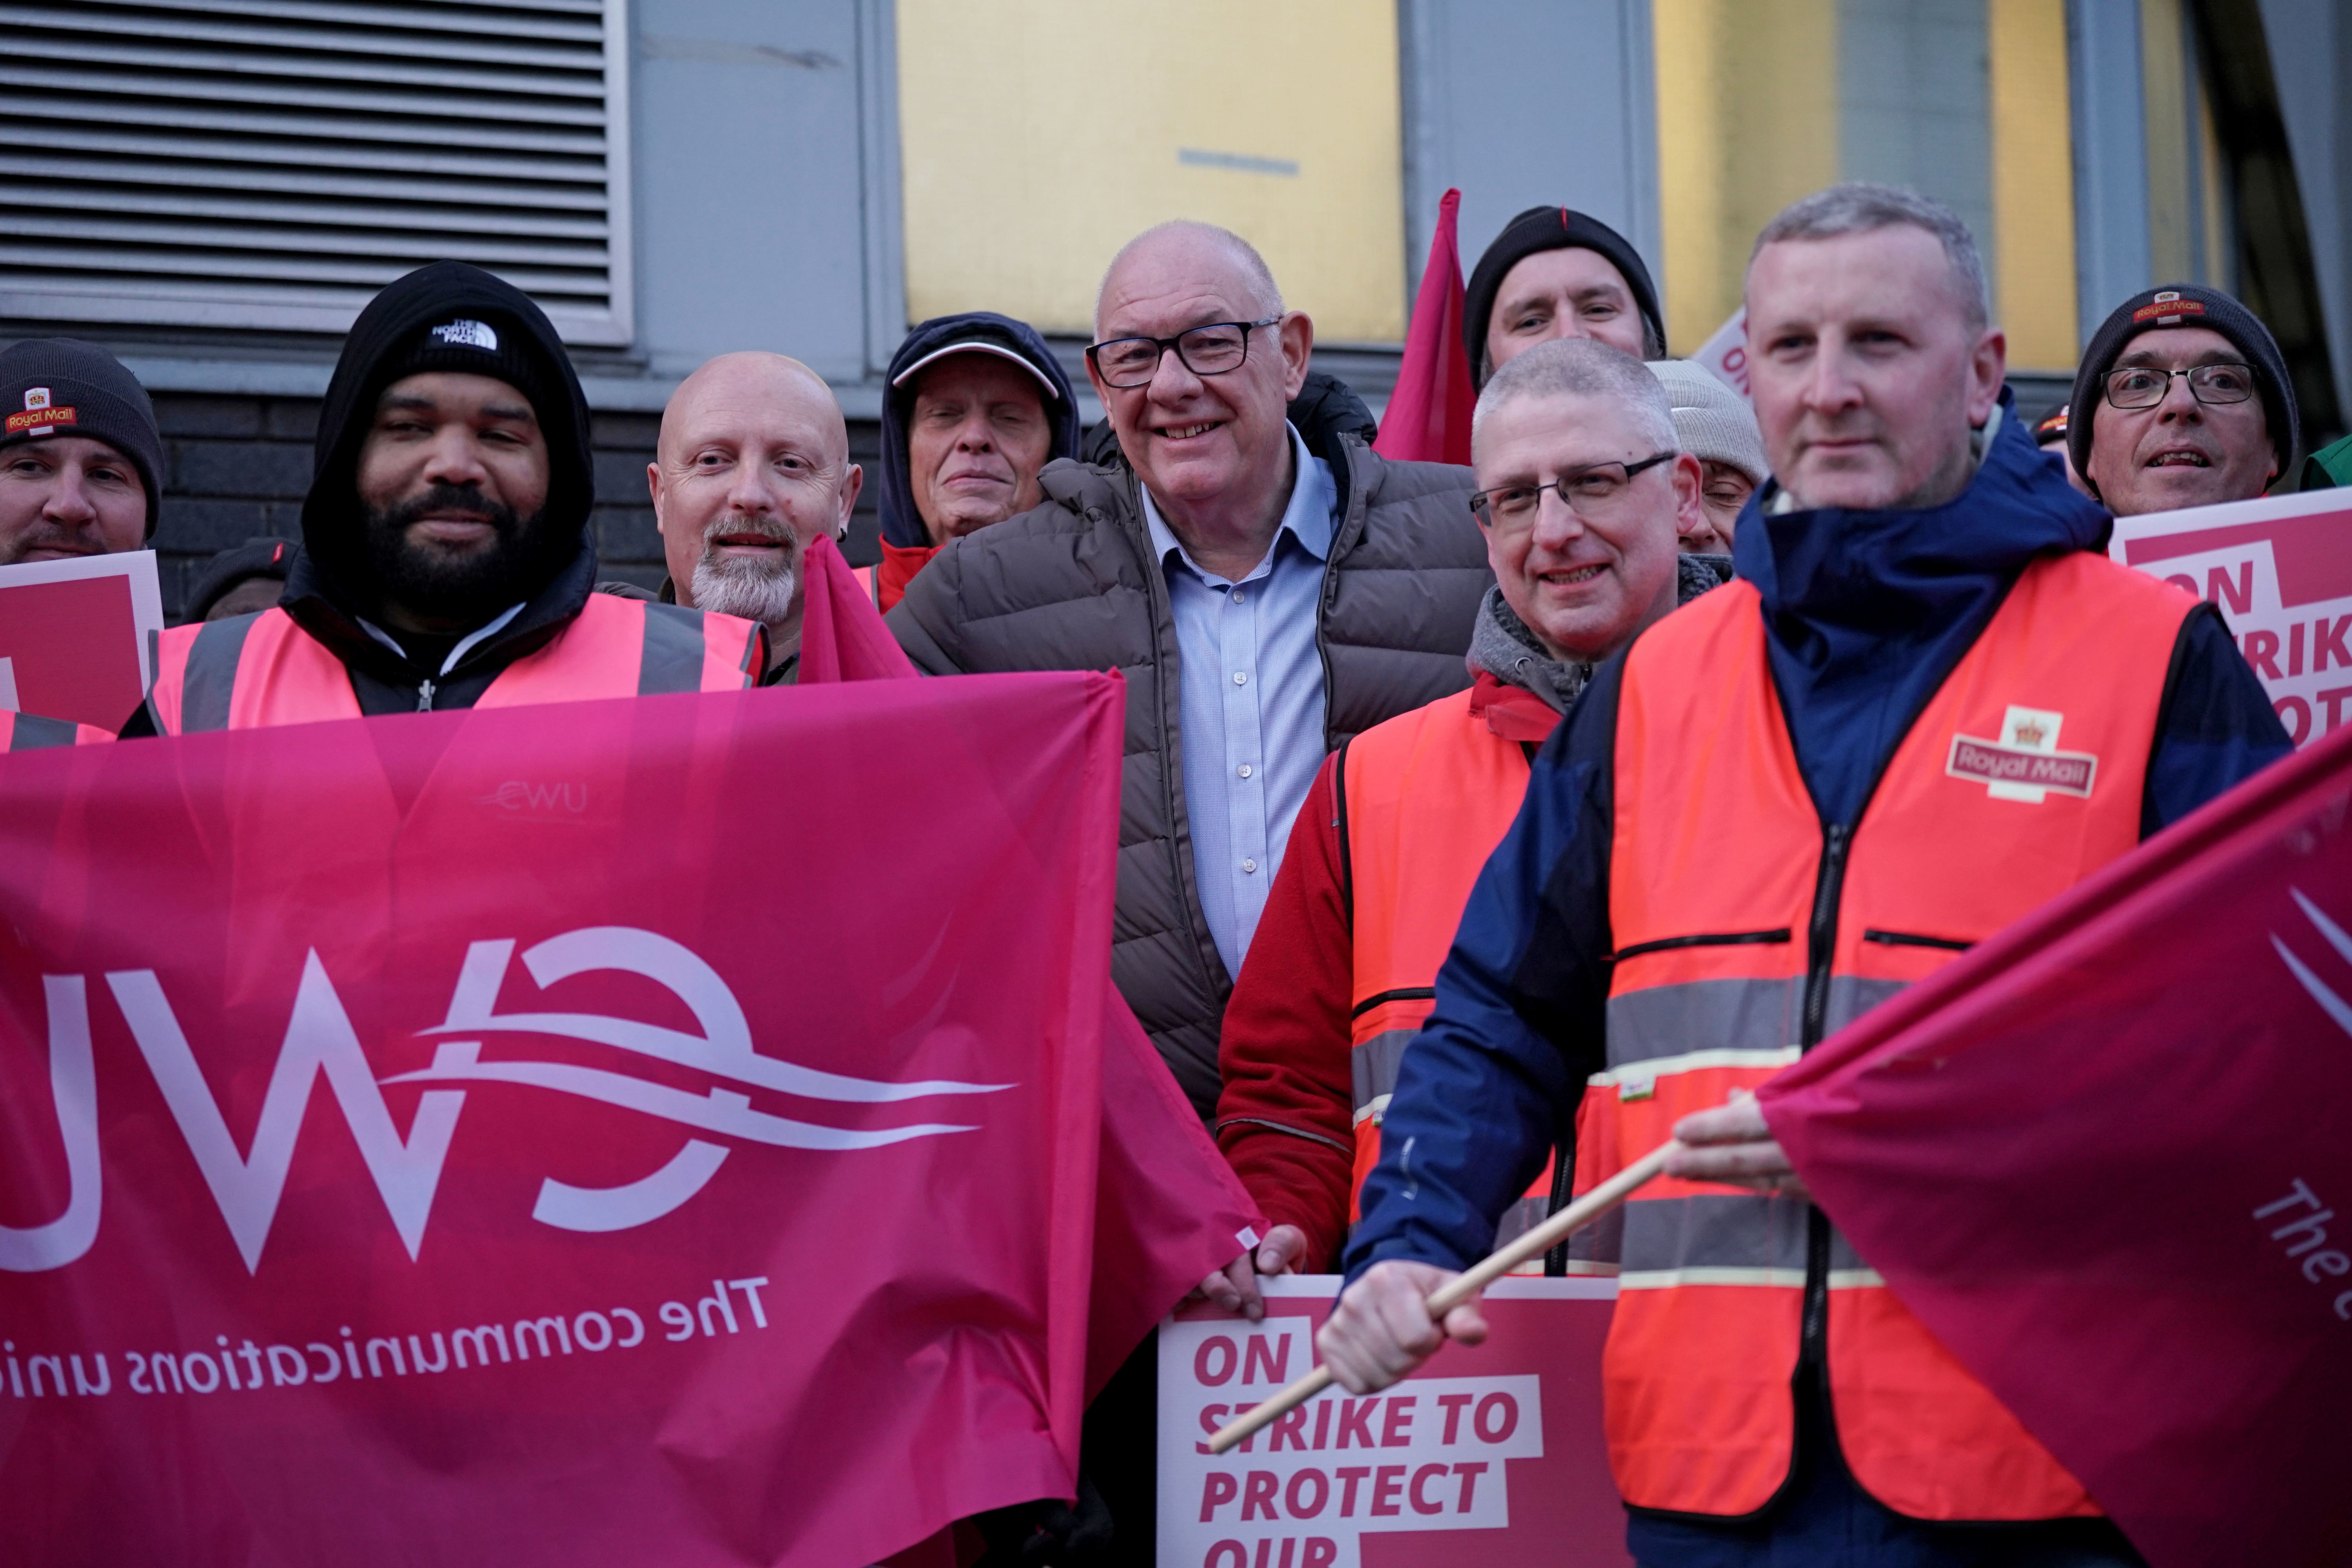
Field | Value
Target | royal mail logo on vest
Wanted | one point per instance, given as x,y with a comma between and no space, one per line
41,415
2024,763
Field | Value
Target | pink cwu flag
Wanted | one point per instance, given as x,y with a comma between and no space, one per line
658,1130
2106,1158
1170,1208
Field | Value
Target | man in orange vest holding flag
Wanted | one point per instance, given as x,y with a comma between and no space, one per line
1929,704
1582,495
446,560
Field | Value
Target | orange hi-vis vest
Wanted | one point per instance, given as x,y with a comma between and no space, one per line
246,671
1745,932
1424,799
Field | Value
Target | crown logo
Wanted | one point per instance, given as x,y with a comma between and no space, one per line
2028,734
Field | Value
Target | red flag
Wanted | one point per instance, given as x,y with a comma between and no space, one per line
2103,1159
1428,416
1170,1208
841,633
652,1131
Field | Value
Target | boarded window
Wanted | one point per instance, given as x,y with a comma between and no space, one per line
1038,136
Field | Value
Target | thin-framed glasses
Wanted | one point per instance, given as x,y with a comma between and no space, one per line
2145,385
1592,493
1210,350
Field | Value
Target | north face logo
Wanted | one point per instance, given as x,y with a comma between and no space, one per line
407,1169
468,334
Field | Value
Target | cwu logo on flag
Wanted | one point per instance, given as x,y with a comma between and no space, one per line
319,1040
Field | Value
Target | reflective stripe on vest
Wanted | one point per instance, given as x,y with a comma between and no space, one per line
31,732
246,671
1424,799
2020,776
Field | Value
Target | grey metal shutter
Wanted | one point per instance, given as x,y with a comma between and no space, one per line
272,164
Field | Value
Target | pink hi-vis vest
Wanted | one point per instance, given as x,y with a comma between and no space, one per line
246,671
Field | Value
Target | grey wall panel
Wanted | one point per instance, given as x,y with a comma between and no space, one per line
1914,101
2311,58
1523,103
750,187
2111,247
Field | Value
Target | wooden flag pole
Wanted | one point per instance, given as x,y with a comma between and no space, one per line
1537,1241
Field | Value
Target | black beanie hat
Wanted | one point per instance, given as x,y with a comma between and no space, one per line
446,316
63,385
270,558
1539,229
2184,305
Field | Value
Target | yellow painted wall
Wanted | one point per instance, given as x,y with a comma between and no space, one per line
1029,156
2032,257
1746,123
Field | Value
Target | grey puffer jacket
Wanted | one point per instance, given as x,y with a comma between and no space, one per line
1073,585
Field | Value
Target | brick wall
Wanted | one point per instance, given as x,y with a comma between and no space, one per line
237,468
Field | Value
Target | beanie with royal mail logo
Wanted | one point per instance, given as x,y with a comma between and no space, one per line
2184,305
63,386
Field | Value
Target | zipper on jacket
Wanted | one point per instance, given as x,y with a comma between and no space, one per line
1912,939
1821,947
425,696
1707,938
1401,994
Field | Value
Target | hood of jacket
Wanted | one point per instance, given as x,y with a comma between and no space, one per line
1866,612
1502,646
396,337
902,522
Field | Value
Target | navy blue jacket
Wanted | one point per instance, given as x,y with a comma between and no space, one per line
1865,613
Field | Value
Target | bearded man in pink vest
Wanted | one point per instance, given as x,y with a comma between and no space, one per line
446,557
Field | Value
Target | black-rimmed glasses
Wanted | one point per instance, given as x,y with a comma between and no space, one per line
1592,493
1210,350
2145,385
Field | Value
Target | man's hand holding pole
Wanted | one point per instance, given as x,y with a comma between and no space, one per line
1386,1329
1383,1327
1731,1145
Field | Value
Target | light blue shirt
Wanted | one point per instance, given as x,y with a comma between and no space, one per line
1252,699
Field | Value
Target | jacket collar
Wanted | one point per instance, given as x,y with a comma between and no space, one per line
1504,650
1891,571
1310,516
323,608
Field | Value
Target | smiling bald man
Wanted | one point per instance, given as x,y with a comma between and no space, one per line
752,465
1269,589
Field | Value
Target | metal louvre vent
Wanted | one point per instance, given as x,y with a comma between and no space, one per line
272,163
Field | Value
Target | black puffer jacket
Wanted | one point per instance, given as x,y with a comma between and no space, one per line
1073,585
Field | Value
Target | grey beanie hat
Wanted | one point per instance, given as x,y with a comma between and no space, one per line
65,386
1711,421
2184,305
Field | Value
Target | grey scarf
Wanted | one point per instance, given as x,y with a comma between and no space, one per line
1502,646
